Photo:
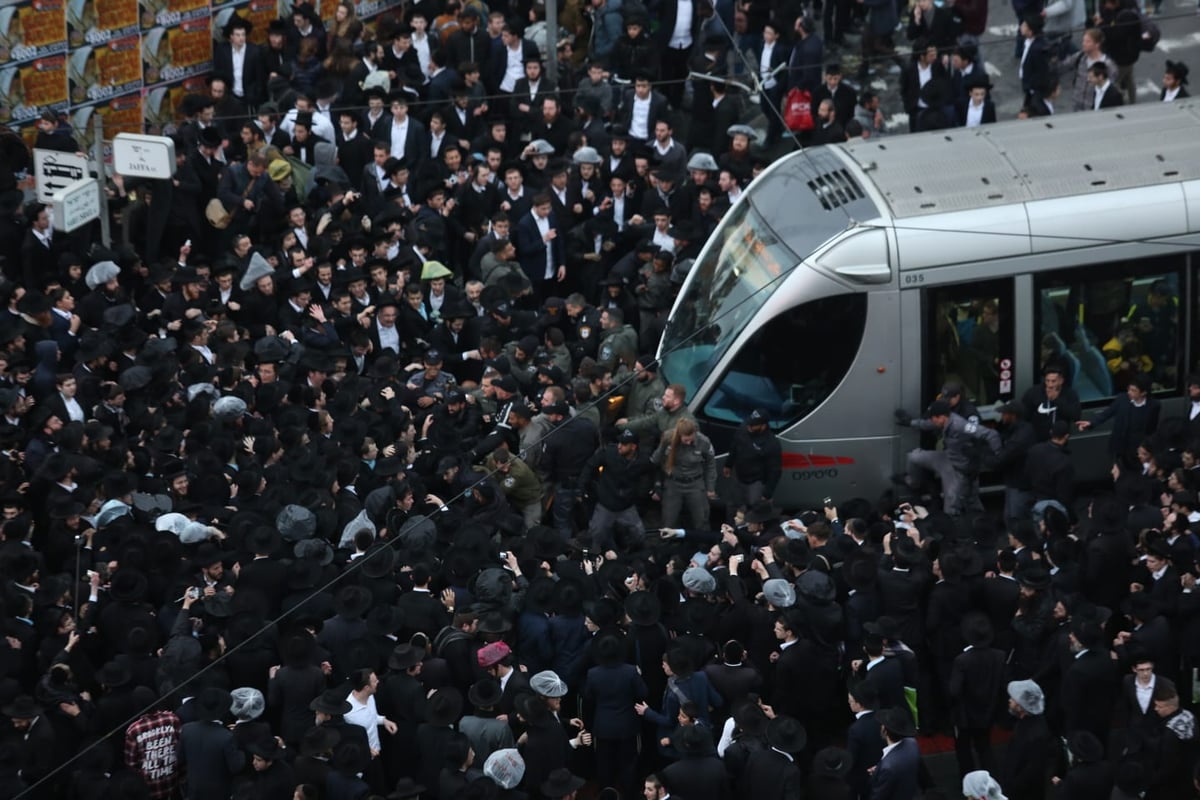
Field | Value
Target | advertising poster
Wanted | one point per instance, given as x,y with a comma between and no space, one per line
258,13
106,70
120,115
32,30
160,105
174,54
94,22
166,13
28,90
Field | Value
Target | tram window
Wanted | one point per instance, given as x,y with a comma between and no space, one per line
793,362
970,339
1109,324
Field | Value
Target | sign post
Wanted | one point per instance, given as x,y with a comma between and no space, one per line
77,204
136,155
102,195
54,170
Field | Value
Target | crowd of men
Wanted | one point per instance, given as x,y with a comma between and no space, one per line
349,472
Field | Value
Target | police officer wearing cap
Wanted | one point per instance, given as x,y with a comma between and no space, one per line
565,452
618,476
754,462
957,463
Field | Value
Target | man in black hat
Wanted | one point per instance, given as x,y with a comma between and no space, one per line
976,689
208,750
242,62
619,477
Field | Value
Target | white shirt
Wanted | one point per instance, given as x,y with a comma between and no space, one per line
663,241
543,226
1145,692
1170,95
764,66
364,716
322,126
389,338
43,236
301,237
974,114
239,64
435,143
1024,55
888,749
924,76
399,137
514,67
639,119
1195,409
618,209
1100,90
421,45
74,410
681,36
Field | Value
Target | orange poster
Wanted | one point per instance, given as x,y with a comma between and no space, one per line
172,54
93,22
28,90
33,30
164,13
160,105
109,70
119,114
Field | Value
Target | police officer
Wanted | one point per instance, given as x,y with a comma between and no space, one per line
565,452
644,390
618,476
755,461
957,463
689,466
582,328
619,345
519,483
651,425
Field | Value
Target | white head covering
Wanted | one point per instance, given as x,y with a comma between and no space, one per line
979,785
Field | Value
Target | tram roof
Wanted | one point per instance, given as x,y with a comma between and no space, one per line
1025,160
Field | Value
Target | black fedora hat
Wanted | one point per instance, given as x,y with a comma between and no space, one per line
384,620
319,740
762,512
977,630
561,783
406,788
1034,576
378,562
692,740
352,601
129,585
263,539
485,693
609,649
643,609
445,706
897,721
833,762
787,734
405,656
213,703
266,748
1085,747
114,675
539,595
332,702
494,622
860,569
886,627
304,573
22,707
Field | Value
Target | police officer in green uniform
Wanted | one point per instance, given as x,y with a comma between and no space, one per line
519,483
618,347
667,411
689,467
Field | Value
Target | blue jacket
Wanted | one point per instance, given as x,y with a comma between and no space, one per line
895,776
607,26
614,690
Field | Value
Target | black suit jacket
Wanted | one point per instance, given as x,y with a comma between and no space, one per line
1112,97
865,746
989,112
658,109
416,143
254,76
531,251
669,11
844,101
1023,774
1035,69
499,63
1089,689
977,685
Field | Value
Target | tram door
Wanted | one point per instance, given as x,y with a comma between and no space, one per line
969,340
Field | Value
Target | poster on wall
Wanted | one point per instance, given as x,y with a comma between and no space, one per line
165,13
32,30
258,13
105,70
29,89
94,22
120,115
173,54
160,105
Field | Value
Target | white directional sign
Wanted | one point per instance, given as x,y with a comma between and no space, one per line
77,204
143,156
54,170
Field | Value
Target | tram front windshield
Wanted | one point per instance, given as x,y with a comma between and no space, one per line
739,270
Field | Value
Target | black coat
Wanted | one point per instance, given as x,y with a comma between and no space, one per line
977,687
212,758
254,76
865,746
1131,424
1089,690
1023,774
770,775
698,778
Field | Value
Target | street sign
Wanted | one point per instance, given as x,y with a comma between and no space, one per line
53,170
77,204
143,156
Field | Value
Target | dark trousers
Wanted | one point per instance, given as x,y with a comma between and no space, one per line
973,749
615,763
769,101
674,73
